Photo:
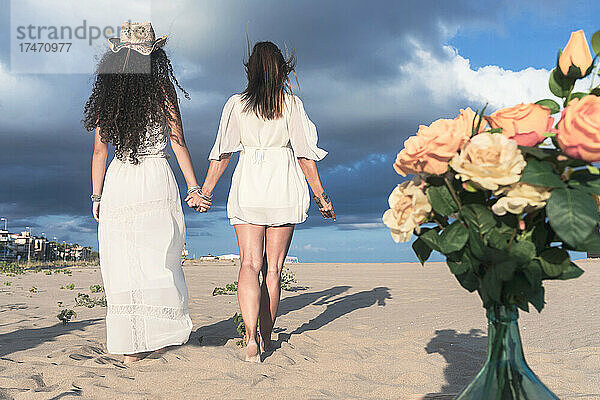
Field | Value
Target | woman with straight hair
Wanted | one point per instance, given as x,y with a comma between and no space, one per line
141,230
269,194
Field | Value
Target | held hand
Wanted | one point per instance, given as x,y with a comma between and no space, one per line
197,202
96,210
325,206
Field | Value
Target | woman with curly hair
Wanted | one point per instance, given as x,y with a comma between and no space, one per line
269,193
141,230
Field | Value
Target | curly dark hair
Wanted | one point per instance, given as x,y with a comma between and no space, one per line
268,80
131,90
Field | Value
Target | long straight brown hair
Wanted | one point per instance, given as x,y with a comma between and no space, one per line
268,80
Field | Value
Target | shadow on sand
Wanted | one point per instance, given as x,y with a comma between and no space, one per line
23,339
219,333
464,353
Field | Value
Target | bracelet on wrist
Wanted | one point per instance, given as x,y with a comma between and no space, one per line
95,198
192,189
207,197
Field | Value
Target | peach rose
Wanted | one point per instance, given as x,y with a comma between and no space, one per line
489,160
521,197
434,145
465,120
409,207
524,123
576,53
579,129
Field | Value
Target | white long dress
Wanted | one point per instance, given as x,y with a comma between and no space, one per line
141,235
268,186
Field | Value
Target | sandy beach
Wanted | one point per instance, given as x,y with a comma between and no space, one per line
347,331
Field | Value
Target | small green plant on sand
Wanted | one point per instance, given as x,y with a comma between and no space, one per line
241,329
84,300
97,289
7,283
33,289
65,316
11,269
70,286
288,279
59,303
230,288
48,272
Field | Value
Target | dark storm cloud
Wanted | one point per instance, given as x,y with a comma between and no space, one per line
343,48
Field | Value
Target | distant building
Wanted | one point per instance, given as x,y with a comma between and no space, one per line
291,260
229,257
8,247
209,257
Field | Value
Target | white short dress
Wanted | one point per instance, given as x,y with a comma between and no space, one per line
268,186
141,235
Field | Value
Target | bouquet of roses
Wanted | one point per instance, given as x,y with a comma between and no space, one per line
506,196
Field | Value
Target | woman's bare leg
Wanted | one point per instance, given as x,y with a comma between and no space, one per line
278,239
251,240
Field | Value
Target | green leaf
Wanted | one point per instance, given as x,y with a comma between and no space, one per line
549,103
541,154
453,237
497,239
539,235
559,84
578,95
460,265
536,298
517,291
596,42
431,239
495,130
549,134
468,280
467,197
541,173
586,181
554,261
441,200
573,214
422,250
476,245
591,244
533,272
574,72
571,272
479,217
523,252
505,270
491,285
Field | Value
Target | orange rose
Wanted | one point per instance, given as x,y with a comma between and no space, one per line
524,123
465,120
434,145
576,53
579,129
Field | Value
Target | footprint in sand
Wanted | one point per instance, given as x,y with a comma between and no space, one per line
41,385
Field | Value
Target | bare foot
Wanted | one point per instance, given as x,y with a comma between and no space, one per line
252,352
130,358
163,350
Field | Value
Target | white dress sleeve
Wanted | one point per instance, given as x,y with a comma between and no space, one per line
228,136
303,133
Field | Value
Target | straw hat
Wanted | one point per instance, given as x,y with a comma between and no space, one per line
138,36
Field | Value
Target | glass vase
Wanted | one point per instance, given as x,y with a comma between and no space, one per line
505,375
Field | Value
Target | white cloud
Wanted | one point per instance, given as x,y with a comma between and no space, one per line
310,247
452,78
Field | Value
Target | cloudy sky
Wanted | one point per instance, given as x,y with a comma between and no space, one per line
370,72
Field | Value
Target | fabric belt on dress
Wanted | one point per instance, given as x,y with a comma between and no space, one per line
144,156
257,154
